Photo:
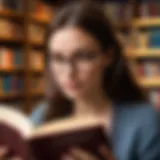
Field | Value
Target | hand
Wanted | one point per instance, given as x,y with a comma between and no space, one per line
79,154
3,154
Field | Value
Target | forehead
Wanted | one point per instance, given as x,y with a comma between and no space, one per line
70,39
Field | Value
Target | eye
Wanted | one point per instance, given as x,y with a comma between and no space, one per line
85,55
57,58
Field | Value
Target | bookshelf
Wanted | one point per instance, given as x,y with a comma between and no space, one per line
33,20
149,82
144,52
146,22
16,46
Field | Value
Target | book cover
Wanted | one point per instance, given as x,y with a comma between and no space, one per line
51,140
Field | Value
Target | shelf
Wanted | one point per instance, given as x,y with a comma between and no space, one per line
36,43
10,39
11,14
125,25
12,70
37,71
10,96
149,82
143,53
146,22
34,94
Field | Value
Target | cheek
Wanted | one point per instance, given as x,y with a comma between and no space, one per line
92,74
57,76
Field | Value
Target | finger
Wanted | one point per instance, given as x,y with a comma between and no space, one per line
16,158
80,154
67,157
106,153
3,152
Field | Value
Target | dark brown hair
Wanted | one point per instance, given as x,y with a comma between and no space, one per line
118,82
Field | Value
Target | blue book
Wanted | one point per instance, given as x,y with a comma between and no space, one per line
7,84
154,38
18,57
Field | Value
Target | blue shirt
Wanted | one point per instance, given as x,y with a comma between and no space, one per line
135,134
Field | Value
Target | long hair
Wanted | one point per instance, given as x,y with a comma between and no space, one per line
118,82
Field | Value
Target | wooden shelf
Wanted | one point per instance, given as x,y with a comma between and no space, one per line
149,82
11,14
146,22
10,39
37,94
10,96
37,70
143,53
125,25
36,43
12,70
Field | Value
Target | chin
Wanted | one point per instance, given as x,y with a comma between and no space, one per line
73,94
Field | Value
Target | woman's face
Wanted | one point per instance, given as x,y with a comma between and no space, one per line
76,62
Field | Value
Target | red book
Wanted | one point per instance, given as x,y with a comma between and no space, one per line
153,9
49,141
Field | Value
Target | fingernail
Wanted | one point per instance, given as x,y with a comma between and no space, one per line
16,158
3,150
67,157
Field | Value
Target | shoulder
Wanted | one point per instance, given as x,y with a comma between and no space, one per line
143,125
38,114
139,111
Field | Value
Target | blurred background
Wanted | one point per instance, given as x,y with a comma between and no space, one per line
23,24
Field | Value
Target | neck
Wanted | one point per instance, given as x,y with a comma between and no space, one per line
95,103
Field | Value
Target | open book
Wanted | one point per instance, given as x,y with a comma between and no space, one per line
51,140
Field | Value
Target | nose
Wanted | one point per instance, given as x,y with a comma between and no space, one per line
69,68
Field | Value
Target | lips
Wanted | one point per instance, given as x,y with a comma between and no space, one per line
71,85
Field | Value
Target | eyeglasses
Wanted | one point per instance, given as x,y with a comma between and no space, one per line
80,59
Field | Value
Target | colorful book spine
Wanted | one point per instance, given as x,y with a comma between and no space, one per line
10,58
149,9
18,58
11,84
119,12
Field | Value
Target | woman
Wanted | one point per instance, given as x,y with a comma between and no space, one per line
90,77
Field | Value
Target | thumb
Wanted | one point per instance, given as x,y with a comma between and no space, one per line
106,153
15,158
3,152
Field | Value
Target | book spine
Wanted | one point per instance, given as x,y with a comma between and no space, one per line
1,86
144,10
154,39
152,9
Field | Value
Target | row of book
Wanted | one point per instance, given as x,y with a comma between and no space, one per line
15,84
10,28
15,5
145,39
148,68
119,11
11,84
36,6
11,57
149,8
14,57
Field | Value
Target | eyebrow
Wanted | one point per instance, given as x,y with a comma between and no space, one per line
76,51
